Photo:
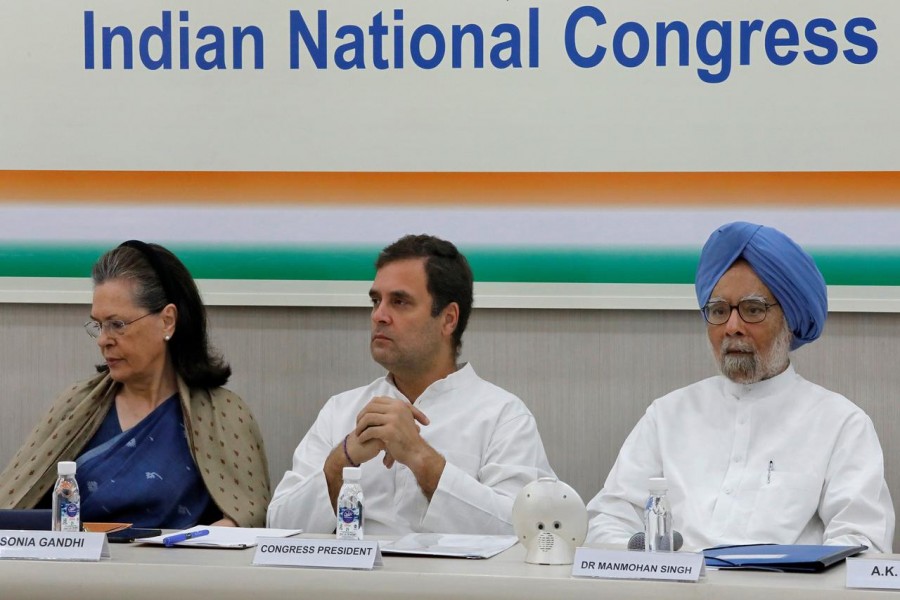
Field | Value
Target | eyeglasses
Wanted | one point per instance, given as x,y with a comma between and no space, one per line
111,327
750,311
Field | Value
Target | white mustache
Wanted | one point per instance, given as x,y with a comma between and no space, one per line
738,346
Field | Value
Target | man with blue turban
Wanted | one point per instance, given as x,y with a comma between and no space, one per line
758,454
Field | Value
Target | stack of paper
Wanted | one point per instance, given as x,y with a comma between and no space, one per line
450,545
224,537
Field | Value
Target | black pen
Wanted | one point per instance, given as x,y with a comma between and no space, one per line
769,472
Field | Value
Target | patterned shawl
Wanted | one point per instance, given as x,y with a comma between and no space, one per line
224,439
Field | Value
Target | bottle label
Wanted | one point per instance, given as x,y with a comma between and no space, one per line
69,518
348,515
349,523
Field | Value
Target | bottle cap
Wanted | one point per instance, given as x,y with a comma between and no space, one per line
658,484
352,473
65,467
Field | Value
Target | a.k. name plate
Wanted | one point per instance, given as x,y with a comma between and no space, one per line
629,564
53,545
325,554
873,573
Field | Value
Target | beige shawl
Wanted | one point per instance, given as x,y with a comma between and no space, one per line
223,437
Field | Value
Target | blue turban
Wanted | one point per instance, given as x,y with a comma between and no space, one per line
786,269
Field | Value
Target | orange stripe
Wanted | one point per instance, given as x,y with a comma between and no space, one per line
851,189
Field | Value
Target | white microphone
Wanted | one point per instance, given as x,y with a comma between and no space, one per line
637,541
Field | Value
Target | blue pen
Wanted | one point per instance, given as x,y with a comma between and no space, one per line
182,537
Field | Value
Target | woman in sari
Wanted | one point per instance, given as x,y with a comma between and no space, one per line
157,439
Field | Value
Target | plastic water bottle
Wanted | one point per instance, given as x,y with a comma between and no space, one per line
66,499
658,517
350,518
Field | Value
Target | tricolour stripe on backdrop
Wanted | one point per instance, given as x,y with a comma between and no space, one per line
507,265
802,189
519,229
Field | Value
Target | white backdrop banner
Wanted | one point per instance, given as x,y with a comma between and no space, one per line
450,85
569,142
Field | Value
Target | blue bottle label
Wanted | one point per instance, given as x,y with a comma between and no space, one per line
348,515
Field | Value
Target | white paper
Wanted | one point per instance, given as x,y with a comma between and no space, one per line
224,537
450,545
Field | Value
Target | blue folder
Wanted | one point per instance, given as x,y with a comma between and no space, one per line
37,519
779,557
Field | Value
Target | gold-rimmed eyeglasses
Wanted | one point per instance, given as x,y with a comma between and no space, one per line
110,326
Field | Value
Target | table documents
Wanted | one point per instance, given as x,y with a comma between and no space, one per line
450,545
218,537
779,557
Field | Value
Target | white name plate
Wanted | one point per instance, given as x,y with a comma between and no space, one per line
323,554
53,545
630,564
873,573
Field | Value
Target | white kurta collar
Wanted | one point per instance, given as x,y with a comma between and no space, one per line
760,389
463,375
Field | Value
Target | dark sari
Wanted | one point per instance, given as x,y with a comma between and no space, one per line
145,475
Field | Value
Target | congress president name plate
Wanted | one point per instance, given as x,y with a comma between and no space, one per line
629,564
323,554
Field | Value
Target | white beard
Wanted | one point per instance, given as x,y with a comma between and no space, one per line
754,366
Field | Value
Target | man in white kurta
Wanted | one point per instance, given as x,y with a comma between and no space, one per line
487,435
758,454
441,450
715,441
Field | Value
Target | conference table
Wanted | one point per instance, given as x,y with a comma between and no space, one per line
138,572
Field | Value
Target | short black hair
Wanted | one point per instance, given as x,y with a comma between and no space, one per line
448,275
160,279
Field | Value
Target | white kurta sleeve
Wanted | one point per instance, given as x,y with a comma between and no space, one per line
482,504
856,505
301,500
616,513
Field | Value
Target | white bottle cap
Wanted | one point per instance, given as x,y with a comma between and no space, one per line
352,473
658,484
66,467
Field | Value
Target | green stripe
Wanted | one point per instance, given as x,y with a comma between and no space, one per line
525,265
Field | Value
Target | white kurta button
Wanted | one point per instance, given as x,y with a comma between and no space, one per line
728,490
